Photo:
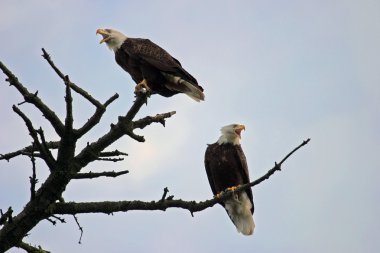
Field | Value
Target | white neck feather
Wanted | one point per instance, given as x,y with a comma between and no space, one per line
225,138
115,43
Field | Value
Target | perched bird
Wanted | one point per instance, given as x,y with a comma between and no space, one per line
150,66
226,168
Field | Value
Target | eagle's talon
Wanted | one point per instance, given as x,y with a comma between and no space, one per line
142,87
217,196
232,188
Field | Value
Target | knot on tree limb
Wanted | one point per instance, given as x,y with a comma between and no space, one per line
166,190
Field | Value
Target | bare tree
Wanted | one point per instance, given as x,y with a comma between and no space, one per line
47,202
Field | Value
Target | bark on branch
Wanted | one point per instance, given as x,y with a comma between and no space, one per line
31,249
91,175
28,150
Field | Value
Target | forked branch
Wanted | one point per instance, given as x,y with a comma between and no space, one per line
27,151
34,99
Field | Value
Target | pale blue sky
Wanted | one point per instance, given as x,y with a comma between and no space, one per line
288,70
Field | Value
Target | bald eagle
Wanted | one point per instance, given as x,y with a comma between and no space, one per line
226,167
150,66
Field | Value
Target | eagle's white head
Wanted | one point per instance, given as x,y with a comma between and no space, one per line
231,134
114,39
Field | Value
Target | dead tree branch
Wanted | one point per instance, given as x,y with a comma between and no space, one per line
79,227
73,86
277,167
45,153
100,108
67,165
28,150
7,216
166,190
108,207
34,99
91,175
112,153
33,179
95,118
109,156
30,249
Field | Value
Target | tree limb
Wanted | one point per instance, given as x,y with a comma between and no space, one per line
117,159
142,123
28,150
122,127
33,179
277,167
159,118
91,175
75,88
193,206
166,190
112,153
100,108
79,227
6,216
139,102
33,133
69,108
107,156
45,147
95,118
65,166
30,249
33,99
134,136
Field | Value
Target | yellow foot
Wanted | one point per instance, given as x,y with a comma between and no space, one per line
217,196
233,188
142,87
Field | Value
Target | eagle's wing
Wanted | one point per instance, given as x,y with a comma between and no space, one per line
208,154
149,52
240,157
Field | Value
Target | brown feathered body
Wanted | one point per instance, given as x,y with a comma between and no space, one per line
143,59
226,166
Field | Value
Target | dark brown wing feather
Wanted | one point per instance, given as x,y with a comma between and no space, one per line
209,165
240,156
226,166
144,50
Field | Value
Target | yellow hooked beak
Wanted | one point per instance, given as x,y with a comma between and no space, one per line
105,34
238,129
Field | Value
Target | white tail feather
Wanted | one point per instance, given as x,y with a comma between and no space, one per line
239,210
193,92
181,85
